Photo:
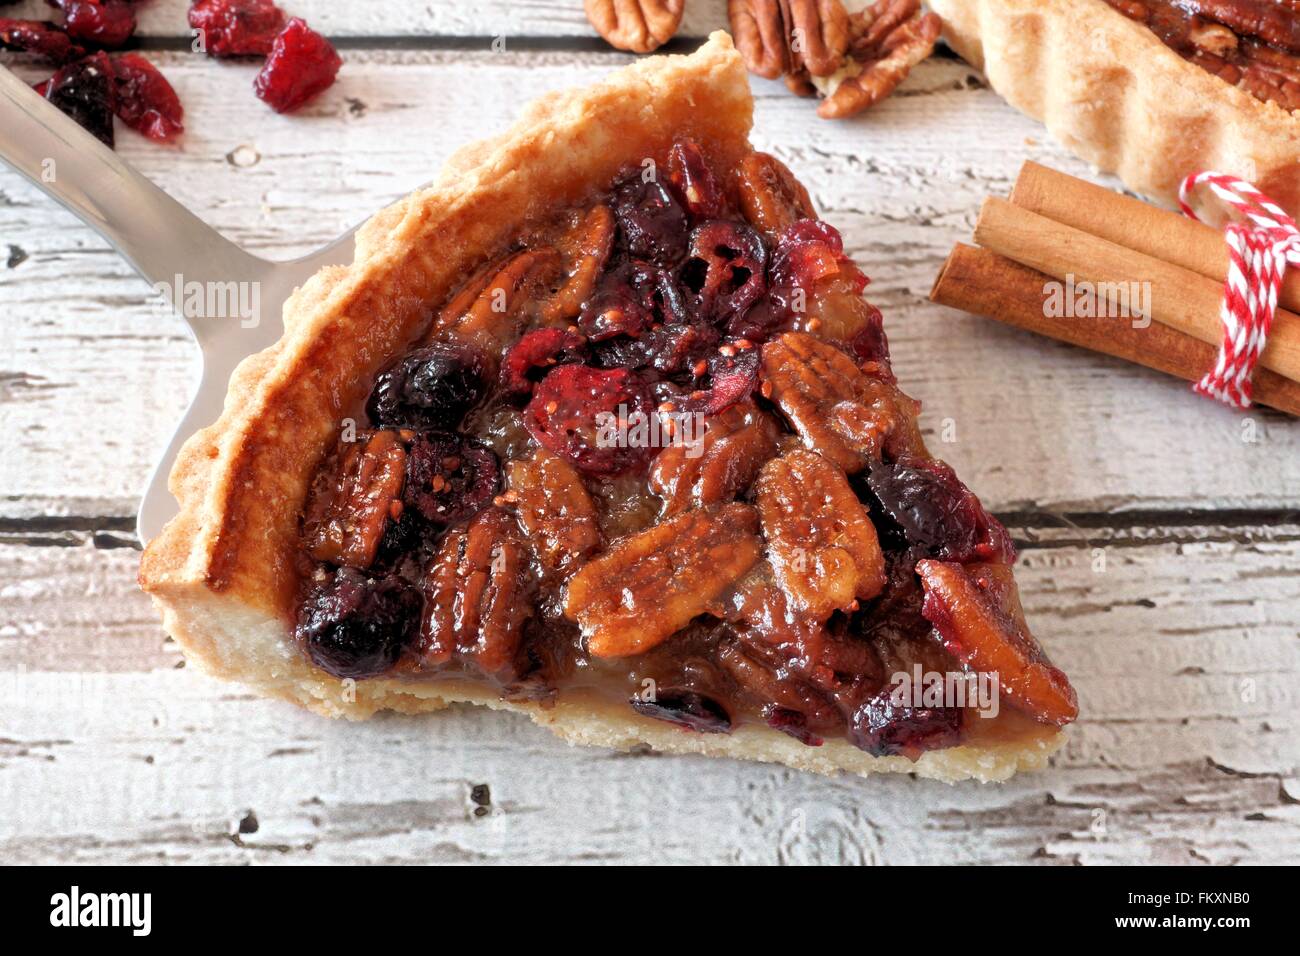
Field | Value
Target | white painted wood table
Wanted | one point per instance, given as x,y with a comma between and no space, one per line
1160,533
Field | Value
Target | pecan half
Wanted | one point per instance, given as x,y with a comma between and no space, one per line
635,25
897,53
820,539
476,591
761,38
717,466
819,34
650,585
771,198
482,311
838,410
554,510
585,248
354,499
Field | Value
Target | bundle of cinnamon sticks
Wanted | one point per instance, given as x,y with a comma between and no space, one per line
1085,265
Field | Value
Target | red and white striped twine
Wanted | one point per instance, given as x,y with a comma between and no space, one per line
1261,243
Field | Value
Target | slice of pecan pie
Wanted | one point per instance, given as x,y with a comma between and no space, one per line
599,428
1151,90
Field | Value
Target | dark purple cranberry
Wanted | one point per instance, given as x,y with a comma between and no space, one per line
686,708
538,350
356,627
433,387
651,221
84,90
694,183
871,344
791,722
614,310
450,477
884,727
935,514
726,272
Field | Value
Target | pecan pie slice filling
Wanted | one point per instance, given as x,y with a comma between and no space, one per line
655,452
1252,44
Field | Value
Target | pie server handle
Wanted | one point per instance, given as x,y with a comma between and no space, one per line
169,246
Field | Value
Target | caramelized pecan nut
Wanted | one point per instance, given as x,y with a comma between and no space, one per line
717,466
650,585
354,498
635,25
554,510
820,539
771,198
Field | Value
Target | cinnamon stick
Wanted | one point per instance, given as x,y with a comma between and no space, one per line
1133,224
1176,296
985,283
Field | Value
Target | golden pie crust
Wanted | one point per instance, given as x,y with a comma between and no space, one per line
223,572
1114,94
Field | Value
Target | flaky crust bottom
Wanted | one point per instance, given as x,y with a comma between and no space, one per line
223,572
1114,94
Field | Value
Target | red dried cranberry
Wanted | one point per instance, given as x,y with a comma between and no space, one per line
733,375
612,311
355,627
237,27
573,409
84,90
144,100
871,344
651,221
450,477
433,387
936,514
686,708
39,37
725,273
693,182
538,349
302,64
791,722
885,727
106,23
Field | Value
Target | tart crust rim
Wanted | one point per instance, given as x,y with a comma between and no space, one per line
223,572
1171,106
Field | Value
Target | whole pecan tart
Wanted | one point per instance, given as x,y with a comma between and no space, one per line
599,428
1151,90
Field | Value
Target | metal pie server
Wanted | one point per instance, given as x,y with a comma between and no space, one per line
162,241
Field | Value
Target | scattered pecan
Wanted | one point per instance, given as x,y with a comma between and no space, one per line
761,37
554,510
898,52
771,198
839,411
635,25
475,597
354,498
820,539
819,34
717,466
650,585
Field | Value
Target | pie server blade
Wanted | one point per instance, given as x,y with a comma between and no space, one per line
170,247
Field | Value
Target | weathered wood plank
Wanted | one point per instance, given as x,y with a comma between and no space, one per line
1186,658
93,378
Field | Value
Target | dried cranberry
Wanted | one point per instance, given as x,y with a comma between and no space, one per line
107,23
573,409
356,627
84,90
733,375
791,722
39,37
651,221
538,349
935,514
616,310
885,727
693,182
686,708
725,274
237,27
144,100
450,477
433,387
302,64
871,344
